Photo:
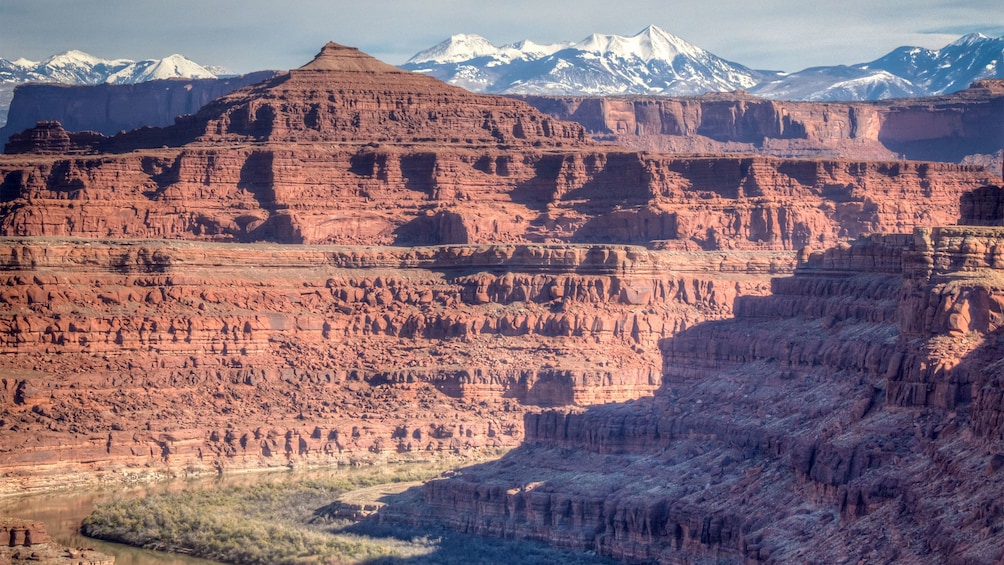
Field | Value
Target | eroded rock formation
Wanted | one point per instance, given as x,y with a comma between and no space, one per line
28,541
349,150
944,128
510,287
111,108
133,355
853,414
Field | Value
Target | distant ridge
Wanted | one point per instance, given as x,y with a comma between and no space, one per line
79,68
655,62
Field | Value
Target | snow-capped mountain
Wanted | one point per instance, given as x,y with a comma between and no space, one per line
77,67
903,72
656,62
951,68
819,84
650,62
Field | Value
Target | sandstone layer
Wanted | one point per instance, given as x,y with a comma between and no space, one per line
854,415
111,108
27,541
349,262
946,128
348,150
406,195
137,356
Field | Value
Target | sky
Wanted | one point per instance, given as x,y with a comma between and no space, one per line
248,35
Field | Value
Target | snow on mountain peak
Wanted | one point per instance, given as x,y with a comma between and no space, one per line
173,66
458,48
651,43
24,63
78,67
968,39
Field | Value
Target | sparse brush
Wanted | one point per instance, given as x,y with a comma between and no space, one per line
275,522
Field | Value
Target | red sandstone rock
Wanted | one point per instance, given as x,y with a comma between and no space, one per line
943,128
111,108
136,355
790,433
779,436
349,150
28,541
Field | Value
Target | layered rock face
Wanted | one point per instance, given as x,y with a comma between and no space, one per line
349,150
111,108
510,287
27,541
143,356
944,128
854,414
351,194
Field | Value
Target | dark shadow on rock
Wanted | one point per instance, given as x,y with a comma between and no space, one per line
537,192
433,228
449,545
628,227
983,206
258,178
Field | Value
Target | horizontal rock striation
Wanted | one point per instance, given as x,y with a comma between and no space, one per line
852,414
348,150
393,195
944,128
140,356
111,108
468,265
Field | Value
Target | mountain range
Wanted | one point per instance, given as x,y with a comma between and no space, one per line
79,68
656,62
652,62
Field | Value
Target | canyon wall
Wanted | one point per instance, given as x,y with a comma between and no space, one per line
348,263
127,356
350,150
111,108
853,414
944,128
383,195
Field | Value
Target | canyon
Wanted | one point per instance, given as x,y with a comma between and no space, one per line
950,128
110,108
853,414
687,357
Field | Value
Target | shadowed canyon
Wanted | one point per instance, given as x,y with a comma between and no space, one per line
750,358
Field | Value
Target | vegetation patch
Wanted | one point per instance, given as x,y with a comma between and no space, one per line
276,522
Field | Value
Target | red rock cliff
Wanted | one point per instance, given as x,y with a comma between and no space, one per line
781,435
349,150
944,128
120,357
111,108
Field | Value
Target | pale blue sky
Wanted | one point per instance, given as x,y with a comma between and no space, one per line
247,35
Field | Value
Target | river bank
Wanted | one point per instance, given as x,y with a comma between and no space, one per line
269,517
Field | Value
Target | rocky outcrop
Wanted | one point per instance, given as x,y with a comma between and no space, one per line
48,137
111,108
510,288
853,414
348,150
28,541
403,196
944,128
144,356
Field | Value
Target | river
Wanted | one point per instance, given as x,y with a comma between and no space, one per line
63,511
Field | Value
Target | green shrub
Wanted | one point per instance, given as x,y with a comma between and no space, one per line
273,522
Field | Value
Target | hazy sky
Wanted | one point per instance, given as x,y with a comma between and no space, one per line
247,35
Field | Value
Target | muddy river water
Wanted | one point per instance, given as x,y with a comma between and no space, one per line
63,511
